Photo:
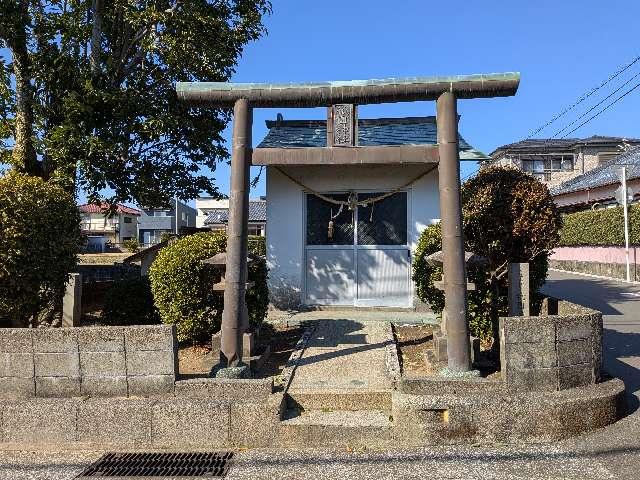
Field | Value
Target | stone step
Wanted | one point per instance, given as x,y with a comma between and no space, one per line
339,399
336,428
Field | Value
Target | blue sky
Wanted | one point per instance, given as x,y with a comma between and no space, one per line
561,48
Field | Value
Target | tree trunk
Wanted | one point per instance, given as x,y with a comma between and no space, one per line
24,153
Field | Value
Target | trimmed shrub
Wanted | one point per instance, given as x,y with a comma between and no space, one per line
479,302
130,302
39,244
132,245
258,245
182,286
600,227
509,217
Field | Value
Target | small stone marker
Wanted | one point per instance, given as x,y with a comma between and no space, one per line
519,290
72,301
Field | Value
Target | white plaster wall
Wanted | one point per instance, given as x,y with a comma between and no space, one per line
285,213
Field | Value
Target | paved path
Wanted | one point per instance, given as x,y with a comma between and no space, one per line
343,354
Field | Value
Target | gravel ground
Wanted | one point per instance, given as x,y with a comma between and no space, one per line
532,462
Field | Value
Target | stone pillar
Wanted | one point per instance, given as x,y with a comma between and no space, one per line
72,301
455,283
519,302
233,316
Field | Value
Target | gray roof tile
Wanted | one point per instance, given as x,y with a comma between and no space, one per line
564,144
257,213
371,132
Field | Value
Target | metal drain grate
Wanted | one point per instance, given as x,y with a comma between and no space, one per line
159,465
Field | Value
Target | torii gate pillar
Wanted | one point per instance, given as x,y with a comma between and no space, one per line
455,279
234,315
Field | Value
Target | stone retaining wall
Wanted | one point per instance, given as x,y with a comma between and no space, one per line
498,416
551,352
135,423
612,270
88,361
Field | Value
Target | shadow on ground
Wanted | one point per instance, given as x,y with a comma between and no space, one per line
589,292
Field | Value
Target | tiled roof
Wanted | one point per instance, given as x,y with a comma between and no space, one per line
567,144
257,213
604,174
103,207
371,132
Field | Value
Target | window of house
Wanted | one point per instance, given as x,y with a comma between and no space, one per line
547,163
255,230
127,219
606,157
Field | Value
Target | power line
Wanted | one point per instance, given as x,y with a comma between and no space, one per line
604,109
595,106
585,96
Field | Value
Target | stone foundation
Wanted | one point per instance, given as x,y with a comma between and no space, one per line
116,388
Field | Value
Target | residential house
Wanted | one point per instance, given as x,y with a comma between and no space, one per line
597,187
103,228
154,222
207,205
342,233
218,218
554,161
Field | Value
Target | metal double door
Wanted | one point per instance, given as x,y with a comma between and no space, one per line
363,257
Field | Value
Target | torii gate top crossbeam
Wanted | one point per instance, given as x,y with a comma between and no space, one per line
359,92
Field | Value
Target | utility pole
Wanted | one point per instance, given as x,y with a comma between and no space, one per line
625,201
176,214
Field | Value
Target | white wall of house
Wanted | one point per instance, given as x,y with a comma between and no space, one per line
286,216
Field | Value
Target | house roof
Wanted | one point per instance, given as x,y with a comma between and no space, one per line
567,144
257,213
371,132
136,257
604,174
103,207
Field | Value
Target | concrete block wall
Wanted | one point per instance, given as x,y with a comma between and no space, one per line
553,352
88,361
167,422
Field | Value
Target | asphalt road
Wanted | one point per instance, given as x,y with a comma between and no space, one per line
619,303
610,453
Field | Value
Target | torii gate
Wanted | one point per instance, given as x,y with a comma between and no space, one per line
243,97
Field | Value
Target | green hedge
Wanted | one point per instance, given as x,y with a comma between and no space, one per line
600,227
182,286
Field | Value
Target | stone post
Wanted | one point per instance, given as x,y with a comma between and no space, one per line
455,283
519,303
72,301
233,316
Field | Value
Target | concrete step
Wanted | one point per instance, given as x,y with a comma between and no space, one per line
339,399
337,428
